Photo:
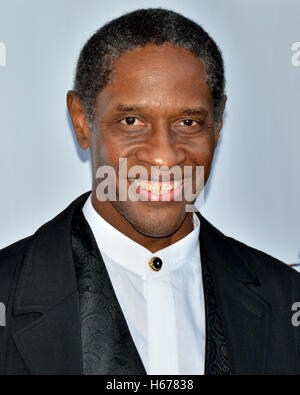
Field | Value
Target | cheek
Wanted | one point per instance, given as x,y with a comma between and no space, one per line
107,151
202,155
202,151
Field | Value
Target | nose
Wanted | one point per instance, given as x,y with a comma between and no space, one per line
161,149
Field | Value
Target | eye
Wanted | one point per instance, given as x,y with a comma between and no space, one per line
188,123
131,121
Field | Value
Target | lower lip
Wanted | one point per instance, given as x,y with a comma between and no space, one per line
164,198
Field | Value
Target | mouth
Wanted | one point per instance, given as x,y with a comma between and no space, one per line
158,191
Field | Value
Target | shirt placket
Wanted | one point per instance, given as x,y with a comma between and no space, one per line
162,333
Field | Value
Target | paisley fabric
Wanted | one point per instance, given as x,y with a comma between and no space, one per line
216,358
107,346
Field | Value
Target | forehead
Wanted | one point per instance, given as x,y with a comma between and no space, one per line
164,77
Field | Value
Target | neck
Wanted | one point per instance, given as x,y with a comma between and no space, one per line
153,244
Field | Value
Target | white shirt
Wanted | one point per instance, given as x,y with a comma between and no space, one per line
164,310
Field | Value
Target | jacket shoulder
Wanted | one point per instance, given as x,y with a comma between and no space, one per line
14,249
12,257
269,270
265,265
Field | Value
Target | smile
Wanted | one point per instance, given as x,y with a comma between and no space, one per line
158,190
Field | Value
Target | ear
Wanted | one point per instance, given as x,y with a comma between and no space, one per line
220,122
79,120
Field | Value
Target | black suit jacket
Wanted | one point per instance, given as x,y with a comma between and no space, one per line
38,286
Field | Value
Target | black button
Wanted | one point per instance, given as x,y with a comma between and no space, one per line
155,263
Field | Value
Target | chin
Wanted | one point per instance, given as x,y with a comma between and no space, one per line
154,221
155,230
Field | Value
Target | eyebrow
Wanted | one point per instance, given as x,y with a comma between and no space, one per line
128,108
184,111
194,111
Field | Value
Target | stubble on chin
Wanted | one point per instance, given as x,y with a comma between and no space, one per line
155,226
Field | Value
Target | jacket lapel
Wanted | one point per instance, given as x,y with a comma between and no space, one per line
47,304
51,344
107,345
46,309
245,313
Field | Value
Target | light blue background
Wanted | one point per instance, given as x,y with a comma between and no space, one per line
254,192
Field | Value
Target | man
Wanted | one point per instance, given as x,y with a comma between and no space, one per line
145,286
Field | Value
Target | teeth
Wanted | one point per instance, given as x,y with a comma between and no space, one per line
177,184
157,187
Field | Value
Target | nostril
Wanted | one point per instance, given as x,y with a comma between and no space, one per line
161,155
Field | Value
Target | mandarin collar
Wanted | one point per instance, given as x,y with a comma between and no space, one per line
132,256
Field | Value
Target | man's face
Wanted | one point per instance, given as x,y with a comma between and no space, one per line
157,110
